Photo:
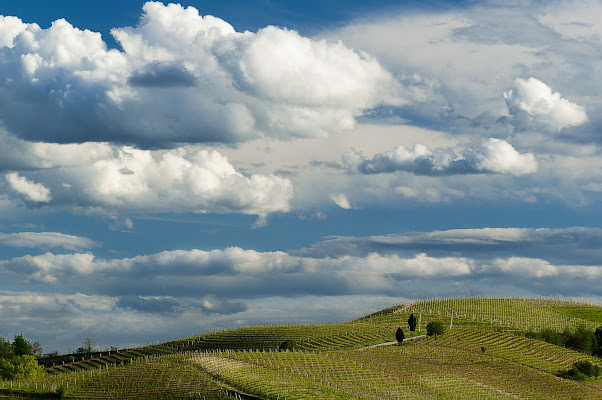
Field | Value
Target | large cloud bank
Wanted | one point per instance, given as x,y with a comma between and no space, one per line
181,77
494,156
339,266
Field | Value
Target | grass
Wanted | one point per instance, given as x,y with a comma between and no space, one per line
585,313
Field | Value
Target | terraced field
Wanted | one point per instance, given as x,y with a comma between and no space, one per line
482,356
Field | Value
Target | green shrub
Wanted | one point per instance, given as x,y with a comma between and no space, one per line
62,391
551,336
582,339
580,371
435,328
587,368
20,367
287,345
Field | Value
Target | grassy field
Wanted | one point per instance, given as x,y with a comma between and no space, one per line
482,356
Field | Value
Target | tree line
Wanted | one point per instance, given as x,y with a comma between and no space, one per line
583,338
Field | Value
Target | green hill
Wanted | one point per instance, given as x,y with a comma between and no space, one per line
485,355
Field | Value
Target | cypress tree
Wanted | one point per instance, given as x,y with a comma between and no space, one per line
399,335
412,323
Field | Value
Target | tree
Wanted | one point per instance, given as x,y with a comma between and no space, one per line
435,328
7,369
4,348
27,367
399,335
21,347
88,346
36,348
412,323
581,339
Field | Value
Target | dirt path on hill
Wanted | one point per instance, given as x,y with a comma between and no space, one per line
391,343
405,307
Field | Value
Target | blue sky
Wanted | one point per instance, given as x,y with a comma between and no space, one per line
208,165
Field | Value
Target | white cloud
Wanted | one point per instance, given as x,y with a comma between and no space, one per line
498,156
593,187
526,267
493,156
179,180
183,273
558,246
429,194
115,179
574,19
473,55
469,71
18,154
35,192
50,267
341,200
124,179
532,103
46,240
237,273
182,77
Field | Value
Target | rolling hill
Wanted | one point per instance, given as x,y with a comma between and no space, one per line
486,353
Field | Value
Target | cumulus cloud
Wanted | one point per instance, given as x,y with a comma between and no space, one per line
533,104
49,267
182,77
18,154
46,240
31,191
494,156
125,179
341,200
525,267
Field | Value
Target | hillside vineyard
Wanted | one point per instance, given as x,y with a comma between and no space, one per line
491,349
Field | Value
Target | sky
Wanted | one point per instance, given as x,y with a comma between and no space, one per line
173,169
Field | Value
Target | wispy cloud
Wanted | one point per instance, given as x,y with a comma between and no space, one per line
46,240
